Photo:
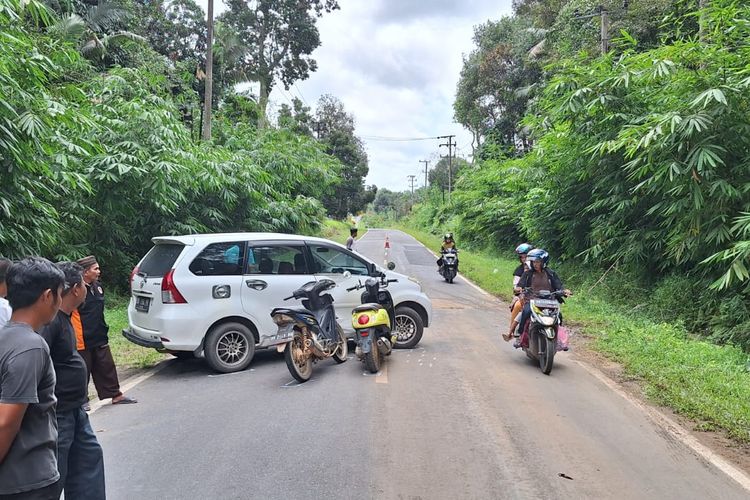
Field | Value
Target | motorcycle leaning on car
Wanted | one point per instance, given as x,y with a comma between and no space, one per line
309,333
373,322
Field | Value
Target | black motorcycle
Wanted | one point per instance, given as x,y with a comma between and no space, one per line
309,332
373,322
449,269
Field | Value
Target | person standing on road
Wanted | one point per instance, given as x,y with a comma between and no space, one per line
92,336
352,239
80,460
28,427
5,310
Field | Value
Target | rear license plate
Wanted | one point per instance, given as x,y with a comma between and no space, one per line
142,304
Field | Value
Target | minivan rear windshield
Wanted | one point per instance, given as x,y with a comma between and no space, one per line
160,259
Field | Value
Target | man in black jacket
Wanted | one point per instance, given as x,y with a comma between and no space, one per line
79,457
92,336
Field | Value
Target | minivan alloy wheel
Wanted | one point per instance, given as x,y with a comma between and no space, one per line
232,347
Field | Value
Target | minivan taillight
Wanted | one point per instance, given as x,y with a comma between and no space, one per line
169,292
132,275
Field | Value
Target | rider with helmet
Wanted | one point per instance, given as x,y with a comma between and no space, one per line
538,277
517,304
448,244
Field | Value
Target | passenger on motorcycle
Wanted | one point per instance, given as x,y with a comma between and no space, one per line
538,277
448,244
517,304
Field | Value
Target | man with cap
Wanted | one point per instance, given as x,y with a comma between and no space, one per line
92,336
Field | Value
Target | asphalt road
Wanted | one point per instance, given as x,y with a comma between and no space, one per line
462,416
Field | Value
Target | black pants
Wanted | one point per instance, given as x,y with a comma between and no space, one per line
101,367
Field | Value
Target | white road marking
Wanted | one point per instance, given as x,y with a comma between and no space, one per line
675,429
214,375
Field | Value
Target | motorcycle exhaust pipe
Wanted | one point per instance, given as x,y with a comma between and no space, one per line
384,345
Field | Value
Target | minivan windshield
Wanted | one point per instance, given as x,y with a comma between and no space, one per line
160,259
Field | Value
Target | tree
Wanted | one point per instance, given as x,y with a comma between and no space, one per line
280,36
438,176
174,28
337,135
496,83
296,118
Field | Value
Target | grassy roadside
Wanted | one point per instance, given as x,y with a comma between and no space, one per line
130,356
127,355
700,380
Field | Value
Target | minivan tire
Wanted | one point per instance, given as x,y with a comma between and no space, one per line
229,347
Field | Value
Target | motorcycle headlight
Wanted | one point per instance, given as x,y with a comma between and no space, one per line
547,320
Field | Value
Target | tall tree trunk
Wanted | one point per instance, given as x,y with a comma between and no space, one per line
265,89
209,73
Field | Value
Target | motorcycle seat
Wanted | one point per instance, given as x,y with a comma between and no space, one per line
367,307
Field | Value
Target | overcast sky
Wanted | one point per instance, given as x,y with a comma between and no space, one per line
395,64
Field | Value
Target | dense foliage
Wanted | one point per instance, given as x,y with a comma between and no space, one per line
640,158
101,161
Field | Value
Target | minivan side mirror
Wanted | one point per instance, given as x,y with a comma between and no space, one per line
391,266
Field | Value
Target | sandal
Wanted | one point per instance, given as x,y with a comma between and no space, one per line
125,401
507,336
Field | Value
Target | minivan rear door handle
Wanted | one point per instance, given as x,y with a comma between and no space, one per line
256,284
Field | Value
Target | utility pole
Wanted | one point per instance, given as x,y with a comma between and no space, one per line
426,162
450,144
209,74
412,180
603,13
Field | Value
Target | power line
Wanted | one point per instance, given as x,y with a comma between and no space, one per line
301,94
397,139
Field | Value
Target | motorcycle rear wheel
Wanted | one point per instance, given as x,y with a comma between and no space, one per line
547,348
373,359
342,352
299,367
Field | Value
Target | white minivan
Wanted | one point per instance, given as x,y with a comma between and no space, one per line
211,295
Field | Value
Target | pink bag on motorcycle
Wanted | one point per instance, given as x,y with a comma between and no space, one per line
562,338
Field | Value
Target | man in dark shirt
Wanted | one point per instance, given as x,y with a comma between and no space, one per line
28,427
92,336
79,457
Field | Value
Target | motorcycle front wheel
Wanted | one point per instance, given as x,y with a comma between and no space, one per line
547,348
298,359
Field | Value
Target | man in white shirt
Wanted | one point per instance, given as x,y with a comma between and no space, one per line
5,310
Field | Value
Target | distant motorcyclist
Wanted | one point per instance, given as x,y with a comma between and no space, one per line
517,304
539,277
448,244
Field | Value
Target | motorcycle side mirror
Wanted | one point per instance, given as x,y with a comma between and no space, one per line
391,266
347,274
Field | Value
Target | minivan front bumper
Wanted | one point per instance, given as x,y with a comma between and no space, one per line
128,334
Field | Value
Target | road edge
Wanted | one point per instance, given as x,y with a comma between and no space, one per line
658,418
130,382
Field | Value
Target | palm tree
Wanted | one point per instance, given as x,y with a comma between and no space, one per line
92,30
